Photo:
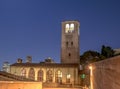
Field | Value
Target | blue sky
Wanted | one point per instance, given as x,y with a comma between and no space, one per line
33,27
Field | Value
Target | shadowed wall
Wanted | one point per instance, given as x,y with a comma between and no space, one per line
106,74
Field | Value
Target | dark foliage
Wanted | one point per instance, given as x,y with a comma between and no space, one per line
93,56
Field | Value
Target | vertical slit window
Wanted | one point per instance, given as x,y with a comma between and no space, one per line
69,55
71,43
67,44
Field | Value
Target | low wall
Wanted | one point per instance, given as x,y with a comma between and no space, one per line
106,74
20,85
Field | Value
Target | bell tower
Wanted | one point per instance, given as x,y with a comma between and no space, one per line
70,42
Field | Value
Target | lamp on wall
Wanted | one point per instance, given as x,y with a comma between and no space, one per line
91,77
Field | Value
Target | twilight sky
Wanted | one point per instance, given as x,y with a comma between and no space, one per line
33,27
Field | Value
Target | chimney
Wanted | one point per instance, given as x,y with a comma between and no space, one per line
28,59
19,60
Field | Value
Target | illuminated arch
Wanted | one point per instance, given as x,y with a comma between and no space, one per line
40,75
58,76
23,72
67,28
68,78
71,27
49,76
31,74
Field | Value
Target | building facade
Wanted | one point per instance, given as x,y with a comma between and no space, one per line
66,72
6,67
47,72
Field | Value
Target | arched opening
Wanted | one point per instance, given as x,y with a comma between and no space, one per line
58,76
68,78
67,28
49,76
40,75
71,27
31,74
23,72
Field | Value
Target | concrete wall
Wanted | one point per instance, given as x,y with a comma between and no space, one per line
106,74
20,85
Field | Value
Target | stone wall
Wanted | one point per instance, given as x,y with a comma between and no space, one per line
20,85
106,74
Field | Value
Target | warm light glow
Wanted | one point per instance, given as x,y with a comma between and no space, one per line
67,28
91,77
23,72
59,73
71,27
90,67
68,76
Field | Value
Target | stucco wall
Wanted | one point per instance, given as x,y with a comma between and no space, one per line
20,85
106,74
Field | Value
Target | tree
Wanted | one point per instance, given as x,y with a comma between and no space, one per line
107,51
93,56
89,57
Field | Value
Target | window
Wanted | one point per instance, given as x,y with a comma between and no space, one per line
58,76
31,74
40,75
69,54
23,72
68,78
67,44
49,76
71,27
67,28
71,43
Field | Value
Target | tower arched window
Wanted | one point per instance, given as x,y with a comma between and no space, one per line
71,27
58,76
23,72
31,74
40,75
67,28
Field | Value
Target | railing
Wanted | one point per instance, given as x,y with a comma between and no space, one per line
63,85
